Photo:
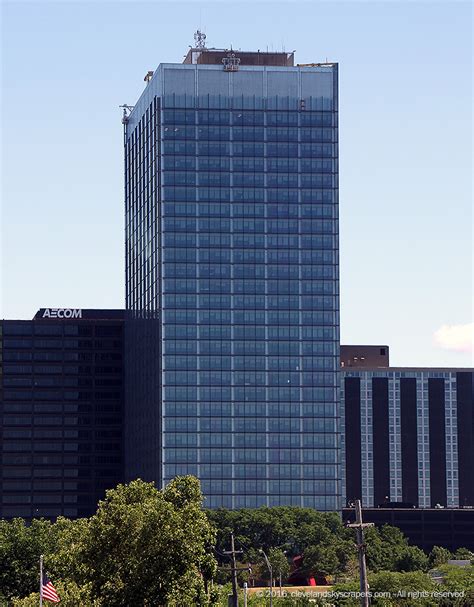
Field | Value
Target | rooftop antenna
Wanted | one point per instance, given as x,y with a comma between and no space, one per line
127,110
200,39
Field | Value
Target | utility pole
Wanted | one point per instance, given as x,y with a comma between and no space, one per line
232,552
270,569
359,526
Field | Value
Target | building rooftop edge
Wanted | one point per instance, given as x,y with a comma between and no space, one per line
389,369
190,64
73,314
415,509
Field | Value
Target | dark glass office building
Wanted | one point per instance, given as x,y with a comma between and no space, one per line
232,286
408,436
61,401
451,528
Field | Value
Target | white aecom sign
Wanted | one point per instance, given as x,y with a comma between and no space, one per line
62,313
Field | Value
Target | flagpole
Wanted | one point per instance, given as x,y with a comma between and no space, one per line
41,580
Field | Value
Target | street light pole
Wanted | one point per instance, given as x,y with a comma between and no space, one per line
271,576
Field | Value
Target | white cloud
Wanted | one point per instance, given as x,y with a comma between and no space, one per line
455,337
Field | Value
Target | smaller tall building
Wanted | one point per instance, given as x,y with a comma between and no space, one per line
61,402
408,436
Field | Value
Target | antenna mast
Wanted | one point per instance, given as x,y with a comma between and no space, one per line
200,39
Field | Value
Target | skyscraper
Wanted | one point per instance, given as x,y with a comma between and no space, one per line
232,286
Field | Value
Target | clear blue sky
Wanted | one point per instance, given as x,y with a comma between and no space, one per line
405,152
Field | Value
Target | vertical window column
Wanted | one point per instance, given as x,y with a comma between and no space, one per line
352,387
451,441
408,427
437,441
424,492
380,426
465,433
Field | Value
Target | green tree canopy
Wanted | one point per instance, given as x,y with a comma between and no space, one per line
464,554
438,556
143,546
460,580
20,548
279,563
316,535
289,528
320,560
384,548
412,559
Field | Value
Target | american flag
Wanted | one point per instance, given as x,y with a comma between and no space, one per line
48,590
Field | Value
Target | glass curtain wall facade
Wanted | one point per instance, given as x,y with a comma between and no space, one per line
231,188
